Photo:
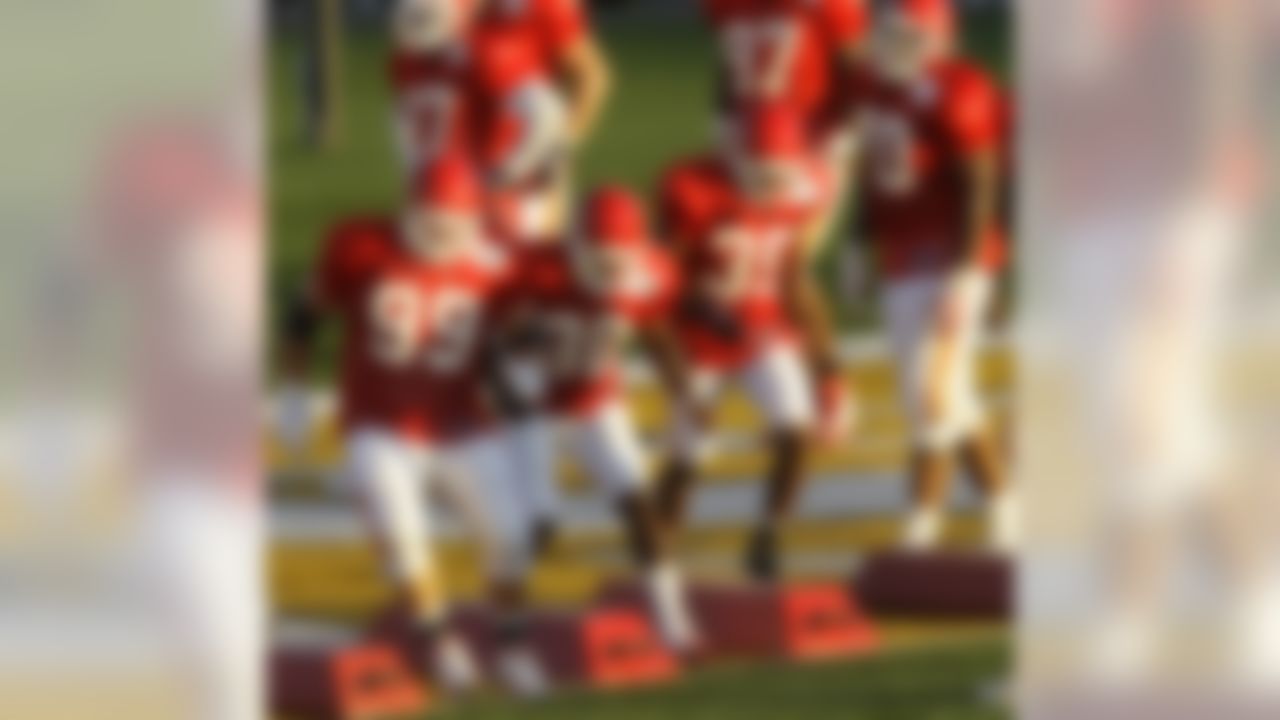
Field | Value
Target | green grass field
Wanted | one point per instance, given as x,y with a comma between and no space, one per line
953,683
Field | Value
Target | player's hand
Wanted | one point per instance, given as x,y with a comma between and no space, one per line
837,411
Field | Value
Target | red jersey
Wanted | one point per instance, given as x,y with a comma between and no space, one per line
734,256
918,139
541,31
412,331
466,95
784,50
435,98
587,329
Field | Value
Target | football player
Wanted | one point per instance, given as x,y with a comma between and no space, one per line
797,53
934,129
518,83
515,83
416,298
750,310
581,302
431,80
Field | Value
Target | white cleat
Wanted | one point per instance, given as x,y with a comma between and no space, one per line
521,672
671,611
456,670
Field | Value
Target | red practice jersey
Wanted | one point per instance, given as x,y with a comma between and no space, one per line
915,188
786,51
412,330
586,329
435,98
734,256
461,96
541,31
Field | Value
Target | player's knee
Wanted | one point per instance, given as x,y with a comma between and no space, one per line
946,431
794,419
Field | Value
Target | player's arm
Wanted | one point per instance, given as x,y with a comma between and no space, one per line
512,361
297,337
809,310
334,276
972,118
300,325
582,66
541,138
847,21
659,343
982,169
588,78
811,313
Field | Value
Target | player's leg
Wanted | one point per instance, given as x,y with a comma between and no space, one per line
480,480
779,385
531,444
687,446
978,450
909,308
387,474
605,445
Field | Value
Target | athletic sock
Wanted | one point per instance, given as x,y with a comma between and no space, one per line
1002,522
667,596
922,529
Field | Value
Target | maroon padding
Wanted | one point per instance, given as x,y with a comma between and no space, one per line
805,621
594,647
356,682
968,585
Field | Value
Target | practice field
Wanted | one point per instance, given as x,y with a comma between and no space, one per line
319,570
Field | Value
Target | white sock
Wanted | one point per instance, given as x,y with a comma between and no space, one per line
522,671
456,667
671,609
1002,522
922,529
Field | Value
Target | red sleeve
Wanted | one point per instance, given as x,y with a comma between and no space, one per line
972,115
679,214
561,25
351,253
664,292
845,20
